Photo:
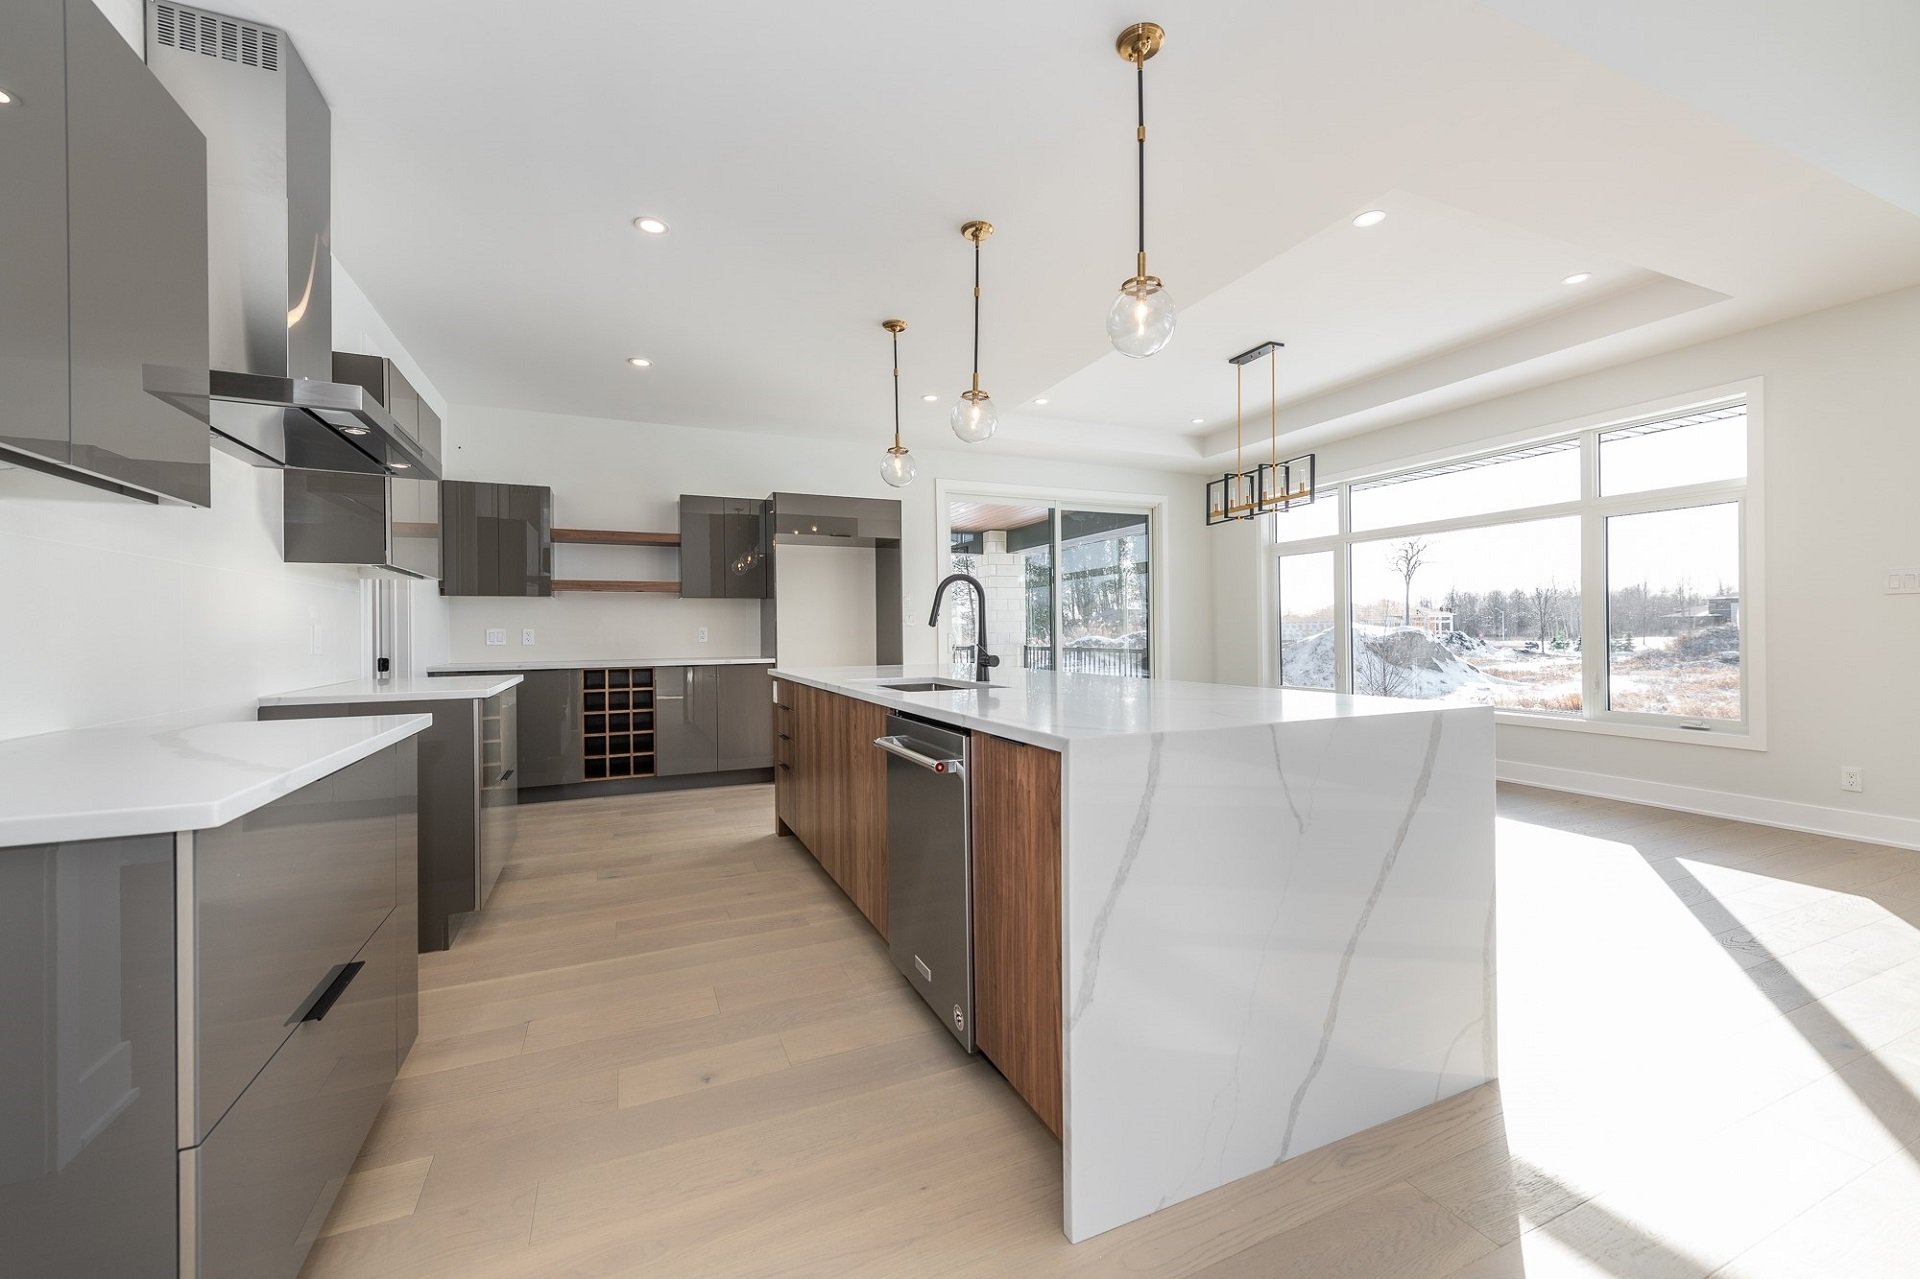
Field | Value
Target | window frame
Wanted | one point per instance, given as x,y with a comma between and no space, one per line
1593,511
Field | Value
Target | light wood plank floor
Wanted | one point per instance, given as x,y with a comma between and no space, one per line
671,1048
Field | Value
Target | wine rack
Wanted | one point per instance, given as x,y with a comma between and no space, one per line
616,722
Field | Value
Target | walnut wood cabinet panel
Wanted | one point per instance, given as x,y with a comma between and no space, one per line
830,789
1016,917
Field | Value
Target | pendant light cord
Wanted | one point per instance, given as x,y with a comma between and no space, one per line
976,313
1273,408
1140,78
896,390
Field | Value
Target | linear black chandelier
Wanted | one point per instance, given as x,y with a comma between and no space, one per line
1272,485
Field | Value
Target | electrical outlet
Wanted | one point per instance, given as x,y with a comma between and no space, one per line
703,634
526,635
1850,779
496,635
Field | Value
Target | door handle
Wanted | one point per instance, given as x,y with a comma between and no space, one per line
933,764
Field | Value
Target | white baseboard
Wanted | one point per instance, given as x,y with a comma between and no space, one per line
1875,828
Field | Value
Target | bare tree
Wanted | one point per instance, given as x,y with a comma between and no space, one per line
1544,600
1374,672
1405,559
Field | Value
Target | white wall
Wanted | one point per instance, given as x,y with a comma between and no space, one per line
1842,445
629,475
827,614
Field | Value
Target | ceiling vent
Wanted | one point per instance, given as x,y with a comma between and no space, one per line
214,35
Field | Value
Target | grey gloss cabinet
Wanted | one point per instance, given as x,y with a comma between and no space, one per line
383,380
111,949
496,539
723,548
711,719
109,299
550,746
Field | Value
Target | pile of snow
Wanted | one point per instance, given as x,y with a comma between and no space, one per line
1137,639
1308,663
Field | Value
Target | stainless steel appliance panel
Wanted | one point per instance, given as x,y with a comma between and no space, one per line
261,1184
746,717
87,1057
284,896
930,866
33,230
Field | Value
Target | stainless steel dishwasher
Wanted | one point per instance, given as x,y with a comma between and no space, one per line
930,866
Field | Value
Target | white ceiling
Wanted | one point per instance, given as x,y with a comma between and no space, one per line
815,163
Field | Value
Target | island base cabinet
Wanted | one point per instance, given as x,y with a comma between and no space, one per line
256,1193
830,789
1016,917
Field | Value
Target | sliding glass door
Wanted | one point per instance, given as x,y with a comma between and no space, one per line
1067,589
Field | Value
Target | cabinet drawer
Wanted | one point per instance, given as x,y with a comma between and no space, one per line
256,1193
282,898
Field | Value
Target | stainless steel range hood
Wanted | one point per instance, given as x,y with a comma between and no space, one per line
270,265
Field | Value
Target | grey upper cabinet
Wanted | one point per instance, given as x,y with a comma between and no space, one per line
385,382
33,231
381,521
496,539
746,718
686,720
723,548
104,241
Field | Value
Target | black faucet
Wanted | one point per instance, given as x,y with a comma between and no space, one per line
982,660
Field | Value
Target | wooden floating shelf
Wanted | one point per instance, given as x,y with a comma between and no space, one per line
630,588
614,537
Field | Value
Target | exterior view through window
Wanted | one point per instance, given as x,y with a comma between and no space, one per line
1067,590
1598,577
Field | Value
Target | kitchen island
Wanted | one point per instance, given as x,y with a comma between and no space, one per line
1214,927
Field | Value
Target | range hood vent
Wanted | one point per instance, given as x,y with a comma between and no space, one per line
270,265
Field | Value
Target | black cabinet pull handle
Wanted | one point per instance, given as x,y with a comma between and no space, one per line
509,773
335,988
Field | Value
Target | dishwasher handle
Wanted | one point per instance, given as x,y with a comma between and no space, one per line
901,746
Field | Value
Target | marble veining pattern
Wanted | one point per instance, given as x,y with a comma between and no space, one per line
1137,836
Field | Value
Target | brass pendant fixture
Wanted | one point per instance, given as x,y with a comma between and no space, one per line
974,416
897,468
1140,321
1273,485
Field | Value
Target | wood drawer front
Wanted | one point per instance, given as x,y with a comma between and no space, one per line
283,897
1016,917
256,1193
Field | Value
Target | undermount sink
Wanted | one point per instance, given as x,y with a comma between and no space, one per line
937,686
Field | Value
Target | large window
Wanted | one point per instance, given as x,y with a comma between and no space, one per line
1596,578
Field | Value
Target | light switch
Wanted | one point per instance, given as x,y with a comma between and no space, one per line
496,635
1903,581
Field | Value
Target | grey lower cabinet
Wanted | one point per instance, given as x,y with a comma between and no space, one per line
469,791
200,1029
550,747
710,719
495,539
103,260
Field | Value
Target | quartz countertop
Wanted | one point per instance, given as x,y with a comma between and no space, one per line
1043,708
590,663
117,783
415,689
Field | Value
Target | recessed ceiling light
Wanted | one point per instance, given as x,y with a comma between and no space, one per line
1042,400
930,398
652,226
639,361
6,99
1199,421
1578,277
1372,217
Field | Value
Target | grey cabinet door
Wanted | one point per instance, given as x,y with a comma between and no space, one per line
745,524
137,254
469,538
746,717
87,1057
686,720
525,540
550,752
703,547
33,230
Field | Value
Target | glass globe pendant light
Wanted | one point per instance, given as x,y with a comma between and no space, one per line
897,467
1140,321
974,416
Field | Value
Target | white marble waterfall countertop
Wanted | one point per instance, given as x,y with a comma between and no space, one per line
1042,708
414,689
117,783
590,663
